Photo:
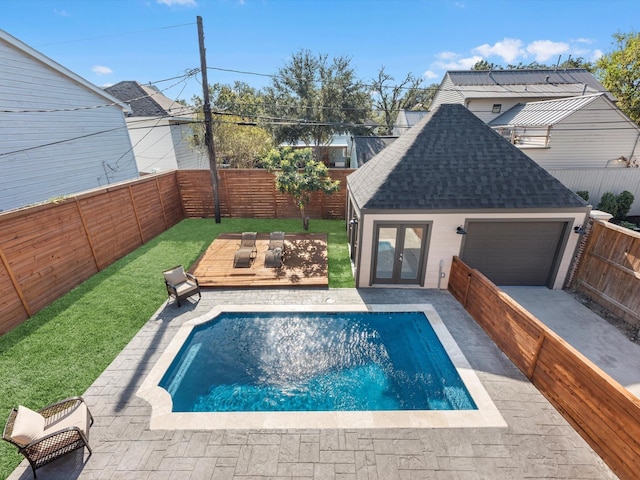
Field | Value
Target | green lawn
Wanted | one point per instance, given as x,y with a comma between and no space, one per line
62,349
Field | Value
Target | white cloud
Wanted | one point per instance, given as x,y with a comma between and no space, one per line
182,3
596,55
100,70
543,50
447,55
464,63
583,40
61,13
429,75
508,49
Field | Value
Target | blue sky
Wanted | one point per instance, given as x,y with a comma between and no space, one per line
106,41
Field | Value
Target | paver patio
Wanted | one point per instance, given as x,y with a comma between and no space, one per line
537,443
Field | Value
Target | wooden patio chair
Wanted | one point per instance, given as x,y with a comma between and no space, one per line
246,250
274,257
47,434
181,284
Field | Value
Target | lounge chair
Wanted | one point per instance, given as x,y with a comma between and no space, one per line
47,434
274,257
246,251
181,284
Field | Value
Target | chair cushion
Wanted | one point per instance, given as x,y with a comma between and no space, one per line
175,275
185,287
28,426
73,417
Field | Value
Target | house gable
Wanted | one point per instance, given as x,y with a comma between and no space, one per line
61,134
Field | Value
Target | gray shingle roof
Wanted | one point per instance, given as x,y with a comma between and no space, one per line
452,160
369,147
145,101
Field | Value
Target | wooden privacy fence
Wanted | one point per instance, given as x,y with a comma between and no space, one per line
251,193
602,411
609,270
47,250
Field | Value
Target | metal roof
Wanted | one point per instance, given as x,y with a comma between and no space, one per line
548,112
522,83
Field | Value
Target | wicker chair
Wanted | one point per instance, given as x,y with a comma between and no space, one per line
51,432
181,284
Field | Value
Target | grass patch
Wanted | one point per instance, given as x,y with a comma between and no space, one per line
62,349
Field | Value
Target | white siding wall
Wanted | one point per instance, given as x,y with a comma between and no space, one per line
50,154
187,157
446,94
482,107
602,180
152,144
445,242
590,138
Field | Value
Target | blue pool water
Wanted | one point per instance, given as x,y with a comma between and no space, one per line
347,361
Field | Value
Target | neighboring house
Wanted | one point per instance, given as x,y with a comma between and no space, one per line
334,154
488,93
364,149
160,129
453,186
60,134
579,140
405,120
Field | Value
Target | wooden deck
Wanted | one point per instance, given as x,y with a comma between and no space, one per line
305,263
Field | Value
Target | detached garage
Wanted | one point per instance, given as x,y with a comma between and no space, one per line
515,252
452,186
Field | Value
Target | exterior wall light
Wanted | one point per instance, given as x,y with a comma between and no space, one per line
461,231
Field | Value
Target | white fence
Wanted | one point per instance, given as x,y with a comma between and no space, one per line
598,181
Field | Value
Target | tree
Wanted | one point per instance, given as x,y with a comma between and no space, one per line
619,72
239,139
578,62
298,175
390,98
316,99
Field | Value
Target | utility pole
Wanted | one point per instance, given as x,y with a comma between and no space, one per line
208,135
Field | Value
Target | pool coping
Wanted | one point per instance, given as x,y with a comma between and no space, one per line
487,414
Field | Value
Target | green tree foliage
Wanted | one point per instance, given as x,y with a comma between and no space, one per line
298,175
238,145
239,139
323,97
619,72
578,62
389,98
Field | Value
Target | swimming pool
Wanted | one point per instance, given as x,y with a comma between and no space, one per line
174,375
333,361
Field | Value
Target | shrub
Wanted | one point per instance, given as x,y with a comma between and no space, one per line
583,194
618,206
625,200
608,203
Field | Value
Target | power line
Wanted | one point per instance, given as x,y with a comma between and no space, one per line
114,35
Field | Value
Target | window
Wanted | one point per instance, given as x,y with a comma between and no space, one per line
496,108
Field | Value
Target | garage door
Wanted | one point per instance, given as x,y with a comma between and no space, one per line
514,253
